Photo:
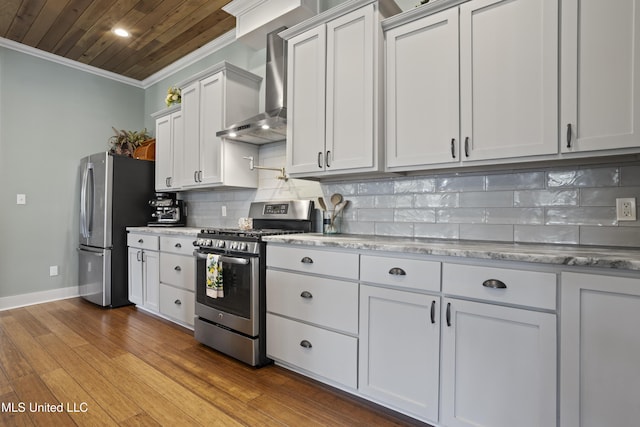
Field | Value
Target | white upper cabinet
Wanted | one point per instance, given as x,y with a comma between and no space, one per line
334,92
169,146
475,82
216,99
508,78
422,92
600,53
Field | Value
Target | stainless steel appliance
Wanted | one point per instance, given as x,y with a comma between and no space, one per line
114,194
271,125
235,323
168,211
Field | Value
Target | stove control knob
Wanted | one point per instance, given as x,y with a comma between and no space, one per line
234,246
220,244
242,246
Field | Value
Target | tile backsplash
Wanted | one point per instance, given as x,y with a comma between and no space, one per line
574,205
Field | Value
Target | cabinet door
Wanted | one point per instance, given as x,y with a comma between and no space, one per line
177,149
135,276
306,101
508,78
350,91
600,75
191,123
600,350
422,95
498,366
164,149
211,114
400,349
151,280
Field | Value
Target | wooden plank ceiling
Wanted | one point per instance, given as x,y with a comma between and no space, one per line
162,31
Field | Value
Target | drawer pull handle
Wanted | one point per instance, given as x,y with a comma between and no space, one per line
177,268
140,241
306,294
177,302
305,344
433,312
397,271
306,260
178,245
449,314
494,284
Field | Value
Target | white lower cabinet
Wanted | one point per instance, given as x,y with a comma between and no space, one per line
144,271
400,349
599,351
499,363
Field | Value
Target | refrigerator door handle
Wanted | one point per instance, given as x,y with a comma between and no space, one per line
83,203
90,200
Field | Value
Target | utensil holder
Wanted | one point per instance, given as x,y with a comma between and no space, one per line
331,223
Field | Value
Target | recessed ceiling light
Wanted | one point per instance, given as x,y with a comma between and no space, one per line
121,32
233,134
265,127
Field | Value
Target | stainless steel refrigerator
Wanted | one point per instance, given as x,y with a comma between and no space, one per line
114,194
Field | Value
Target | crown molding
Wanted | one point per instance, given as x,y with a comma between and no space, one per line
213,46
23,48
193,57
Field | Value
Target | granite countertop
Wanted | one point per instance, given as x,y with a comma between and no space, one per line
185,231
573,255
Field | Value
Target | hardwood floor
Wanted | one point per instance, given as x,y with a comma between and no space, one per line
127,368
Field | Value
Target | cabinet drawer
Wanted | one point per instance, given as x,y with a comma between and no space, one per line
326,302
325,353
178,270
178,304
182,245
300,258
523,287
143,241
408,273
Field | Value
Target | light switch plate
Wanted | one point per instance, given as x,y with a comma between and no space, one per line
21,199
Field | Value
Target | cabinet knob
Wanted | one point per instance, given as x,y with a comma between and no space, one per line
494,284
305,344
178,245
306,260
177,268
397,271
306,294
177,302
140,241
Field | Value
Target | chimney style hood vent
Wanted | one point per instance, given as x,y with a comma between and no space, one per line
271,125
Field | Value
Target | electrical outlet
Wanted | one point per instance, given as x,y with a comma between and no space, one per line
224,211
21,199
626,209
53,270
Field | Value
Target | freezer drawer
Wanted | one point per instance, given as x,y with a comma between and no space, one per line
95,275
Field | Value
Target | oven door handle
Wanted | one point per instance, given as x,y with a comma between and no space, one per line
227,259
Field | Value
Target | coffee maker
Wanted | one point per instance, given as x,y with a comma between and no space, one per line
168,211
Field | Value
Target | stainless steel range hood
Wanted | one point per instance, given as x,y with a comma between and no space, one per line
271,125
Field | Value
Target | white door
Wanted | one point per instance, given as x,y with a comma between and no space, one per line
177,145
600,53
306,101
211,115
135,276
164,159
498,366
422,92
508,78
191,122
400,349
350,91
151,279
599,351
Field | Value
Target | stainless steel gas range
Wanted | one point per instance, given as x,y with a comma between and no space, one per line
231,274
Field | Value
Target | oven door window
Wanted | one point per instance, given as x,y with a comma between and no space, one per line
238,274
